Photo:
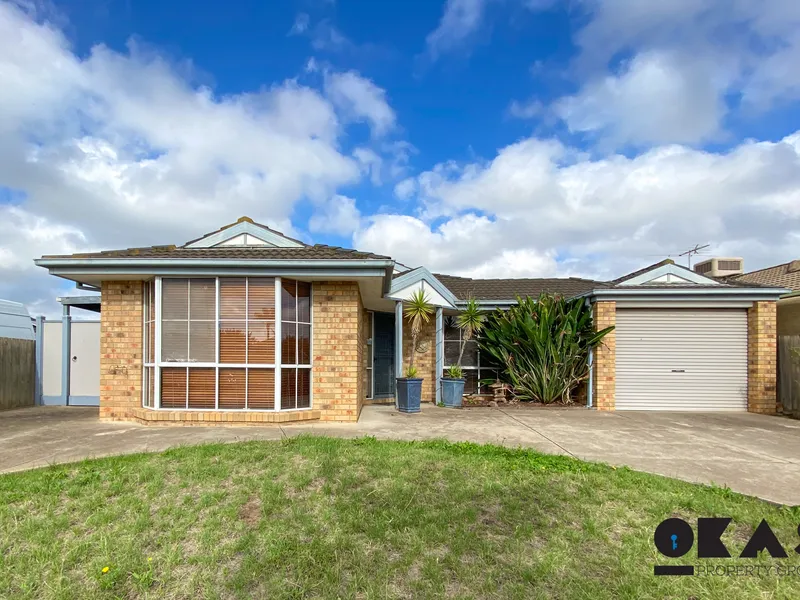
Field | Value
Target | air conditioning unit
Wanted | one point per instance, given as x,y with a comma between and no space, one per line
720,267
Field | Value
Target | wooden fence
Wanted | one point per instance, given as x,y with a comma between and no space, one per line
789,374
17,373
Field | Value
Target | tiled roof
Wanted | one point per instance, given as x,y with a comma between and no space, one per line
508,289
316,252
786,275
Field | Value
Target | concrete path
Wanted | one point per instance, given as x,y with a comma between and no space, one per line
751,454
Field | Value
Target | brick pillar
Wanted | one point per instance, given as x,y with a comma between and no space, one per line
338,358
762,358
120,348
604,380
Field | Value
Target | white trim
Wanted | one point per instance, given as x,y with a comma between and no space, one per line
311,345
371,358
145,346
235,410
658,274
216,341
278,334
685,304
157,345
246,337
269,237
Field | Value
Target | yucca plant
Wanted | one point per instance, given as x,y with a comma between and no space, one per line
417,311
470,322
542,346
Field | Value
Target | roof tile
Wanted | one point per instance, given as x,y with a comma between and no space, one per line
786,275
316,252
508,289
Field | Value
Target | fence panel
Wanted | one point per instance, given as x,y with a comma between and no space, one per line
789,374
17,373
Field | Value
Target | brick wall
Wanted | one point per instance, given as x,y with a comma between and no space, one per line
120,348
762,358
604,380
338,350
424,358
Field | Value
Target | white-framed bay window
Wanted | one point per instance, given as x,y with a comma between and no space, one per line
227,343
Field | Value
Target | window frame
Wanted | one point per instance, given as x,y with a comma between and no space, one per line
370,359
276,366
477,367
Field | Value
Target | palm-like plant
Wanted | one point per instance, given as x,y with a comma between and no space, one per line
541,346
470,322
417,311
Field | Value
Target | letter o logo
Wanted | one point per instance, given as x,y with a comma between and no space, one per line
674,537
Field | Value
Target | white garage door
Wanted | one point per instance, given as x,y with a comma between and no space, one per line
681,359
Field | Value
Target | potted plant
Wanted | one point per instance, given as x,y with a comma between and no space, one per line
417,311
470,322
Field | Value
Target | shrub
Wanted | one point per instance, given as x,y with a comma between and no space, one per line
541,346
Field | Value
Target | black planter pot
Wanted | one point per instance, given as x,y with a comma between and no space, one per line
452,392
409,394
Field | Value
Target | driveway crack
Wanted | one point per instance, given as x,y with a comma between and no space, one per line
513,418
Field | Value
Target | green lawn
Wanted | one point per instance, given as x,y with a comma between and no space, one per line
331,518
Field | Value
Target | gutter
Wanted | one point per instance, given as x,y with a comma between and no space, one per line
80,266
751,294
206,262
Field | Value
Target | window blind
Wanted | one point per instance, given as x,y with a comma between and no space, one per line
261,388
173,387
227,325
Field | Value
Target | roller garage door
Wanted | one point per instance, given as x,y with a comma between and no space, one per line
681,359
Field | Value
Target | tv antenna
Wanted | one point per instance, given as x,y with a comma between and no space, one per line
693,251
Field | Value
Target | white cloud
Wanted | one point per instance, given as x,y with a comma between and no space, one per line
526,110
339,216
460,20
300,24
686,58
117,149
656,98
361,100
371,163
405,188
540,208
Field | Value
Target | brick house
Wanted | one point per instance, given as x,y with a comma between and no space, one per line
245,325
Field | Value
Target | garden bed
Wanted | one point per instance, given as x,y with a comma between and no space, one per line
487,400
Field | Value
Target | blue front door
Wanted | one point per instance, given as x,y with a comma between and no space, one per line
383,355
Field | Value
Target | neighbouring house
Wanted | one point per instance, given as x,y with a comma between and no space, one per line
17,356
246,325
785,276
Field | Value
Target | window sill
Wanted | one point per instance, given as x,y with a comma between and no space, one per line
149,416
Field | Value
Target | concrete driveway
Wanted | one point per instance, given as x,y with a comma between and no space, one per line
751,454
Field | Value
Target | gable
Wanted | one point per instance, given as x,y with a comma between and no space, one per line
245,233
667,274
404,287
245,239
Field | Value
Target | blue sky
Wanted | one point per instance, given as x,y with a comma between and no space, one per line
477,137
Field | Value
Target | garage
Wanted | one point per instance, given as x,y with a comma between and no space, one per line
681,359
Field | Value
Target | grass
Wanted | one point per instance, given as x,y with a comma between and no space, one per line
328,518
